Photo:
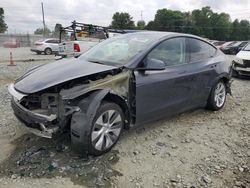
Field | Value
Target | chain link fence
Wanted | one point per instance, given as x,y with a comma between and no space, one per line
25,40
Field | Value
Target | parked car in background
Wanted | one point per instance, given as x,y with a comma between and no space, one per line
234,48
12,43
229,43
218,43
46,46
241,62
122,82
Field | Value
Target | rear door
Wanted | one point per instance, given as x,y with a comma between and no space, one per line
202,67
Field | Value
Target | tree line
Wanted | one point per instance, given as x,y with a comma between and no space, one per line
202,22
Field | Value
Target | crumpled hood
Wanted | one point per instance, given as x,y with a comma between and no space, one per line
51,74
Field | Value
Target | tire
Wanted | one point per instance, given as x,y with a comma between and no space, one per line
48,51
97,136
217,97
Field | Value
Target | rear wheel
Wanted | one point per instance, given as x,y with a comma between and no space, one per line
217,96
48,51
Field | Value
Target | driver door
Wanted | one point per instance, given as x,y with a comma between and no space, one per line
164,92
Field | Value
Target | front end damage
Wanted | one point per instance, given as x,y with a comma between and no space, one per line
242,68
72,105
38,112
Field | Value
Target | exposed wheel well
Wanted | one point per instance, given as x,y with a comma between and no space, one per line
227,83
225,80
121,102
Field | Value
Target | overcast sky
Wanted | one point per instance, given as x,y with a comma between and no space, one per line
25,15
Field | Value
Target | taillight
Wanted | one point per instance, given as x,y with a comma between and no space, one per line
76,47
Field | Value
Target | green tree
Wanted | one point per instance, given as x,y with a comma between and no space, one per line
244,30
235,32
221,25
169,20
40,31
150,26
141,24
122,20
202,21
3,25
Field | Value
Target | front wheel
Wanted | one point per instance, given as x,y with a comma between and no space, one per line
97,134
217,96
106,128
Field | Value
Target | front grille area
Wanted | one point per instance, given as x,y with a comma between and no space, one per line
247,63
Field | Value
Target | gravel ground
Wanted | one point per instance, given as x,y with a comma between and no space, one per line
196,149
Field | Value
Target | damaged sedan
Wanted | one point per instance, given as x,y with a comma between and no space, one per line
120,83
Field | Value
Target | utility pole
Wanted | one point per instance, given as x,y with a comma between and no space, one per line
43,21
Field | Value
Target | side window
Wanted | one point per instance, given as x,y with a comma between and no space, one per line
49,41
171,52
52,41
199,50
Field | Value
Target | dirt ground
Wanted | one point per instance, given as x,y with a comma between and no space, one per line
22,54
196,149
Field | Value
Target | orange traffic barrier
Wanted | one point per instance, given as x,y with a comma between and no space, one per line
12,63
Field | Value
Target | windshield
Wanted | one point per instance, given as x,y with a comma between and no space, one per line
119,50
237,44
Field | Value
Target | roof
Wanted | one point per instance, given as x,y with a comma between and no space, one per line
164,34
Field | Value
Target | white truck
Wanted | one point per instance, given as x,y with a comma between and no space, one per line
83,37
77,47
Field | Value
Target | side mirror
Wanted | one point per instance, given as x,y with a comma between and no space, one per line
153,64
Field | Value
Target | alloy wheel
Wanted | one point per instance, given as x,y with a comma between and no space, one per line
106,130
220,94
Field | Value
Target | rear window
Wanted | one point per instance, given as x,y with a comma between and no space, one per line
199,50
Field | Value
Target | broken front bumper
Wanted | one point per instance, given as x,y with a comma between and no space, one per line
35,122
241,69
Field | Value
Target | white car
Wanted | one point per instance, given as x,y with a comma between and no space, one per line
241,62
46,46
